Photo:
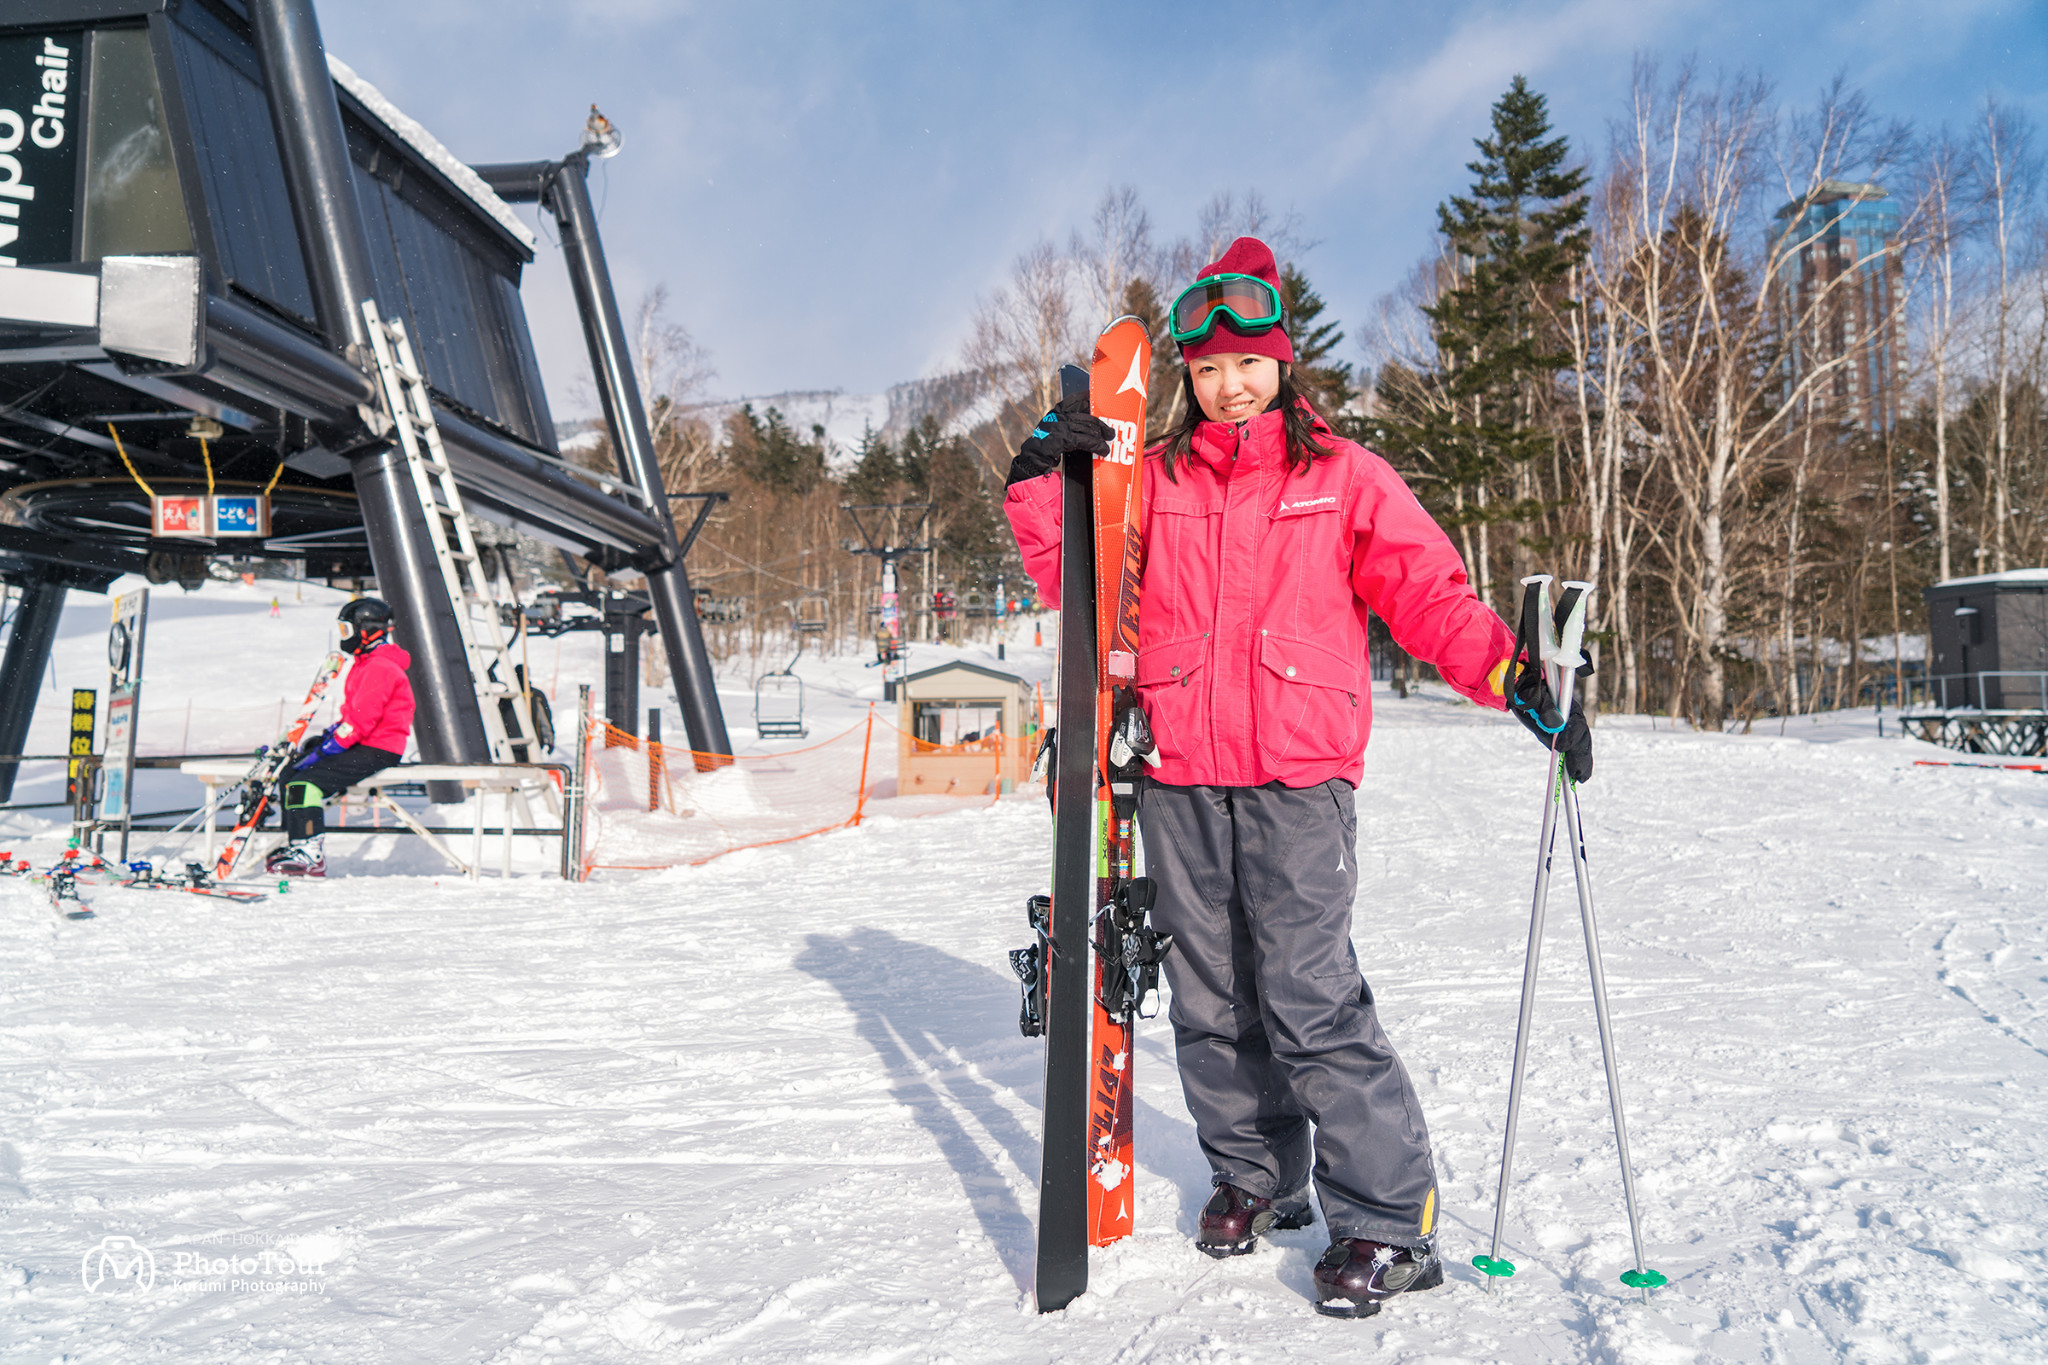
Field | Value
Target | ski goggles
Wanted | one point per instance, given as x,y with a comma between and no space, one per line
1250,303
350,632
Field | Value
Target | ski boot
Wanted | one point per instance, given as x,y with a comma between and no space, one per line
1233,1222
303,859
1355,1276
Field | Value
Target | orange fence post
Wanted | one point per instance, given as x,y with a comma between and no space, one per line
866,744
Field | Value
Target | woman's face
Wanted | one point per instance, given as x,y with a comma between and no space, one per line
1232,387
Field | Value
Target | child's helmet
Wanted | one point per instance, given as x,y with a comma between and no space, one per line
365,624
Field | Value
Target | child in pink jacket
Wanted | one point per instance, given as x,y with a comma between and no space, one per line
376,720
1268,543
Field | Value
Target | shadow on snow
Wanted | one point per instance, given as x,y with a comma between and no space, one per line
914,1004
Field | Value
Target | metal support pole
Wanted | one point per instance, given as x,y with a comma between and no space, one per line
321,183
21,671
668,584
622,632
318,175
655,758
576,792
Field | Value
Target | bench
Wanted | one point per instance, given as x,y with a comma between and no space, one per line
513,783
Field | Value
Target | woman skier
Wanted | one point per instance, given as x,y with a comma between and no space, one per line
1268,541
376,720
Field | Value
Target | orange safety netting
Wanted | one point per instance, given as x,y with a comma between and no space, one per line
650,805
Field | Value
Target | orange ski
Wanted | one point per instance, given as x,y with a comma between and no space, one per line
1086,1172
1116,394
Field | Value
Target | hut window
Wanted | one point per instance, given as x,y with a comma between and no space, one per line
957,722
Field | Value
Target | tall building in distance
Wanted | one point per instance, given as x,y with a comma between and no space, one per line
1839,292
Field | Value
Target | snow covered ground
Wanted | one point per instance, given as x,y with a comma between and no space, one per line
776,1108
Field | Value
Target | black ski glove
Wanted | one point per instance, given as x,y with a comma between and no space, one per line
1068,427
1535,706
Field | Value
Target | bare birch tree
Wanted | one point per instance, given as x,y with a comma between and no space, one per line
673,370
1936,227
2004,174
1022,333
1714,315
1117,250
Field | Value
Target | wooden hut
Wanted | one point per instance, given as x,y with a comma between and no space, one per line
963,729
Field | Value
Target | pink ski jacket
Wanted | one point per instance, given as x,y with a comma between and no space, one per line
376,701
1257,583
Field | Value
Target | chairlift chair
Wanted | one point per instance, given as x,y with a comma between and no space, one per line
812,613
779,702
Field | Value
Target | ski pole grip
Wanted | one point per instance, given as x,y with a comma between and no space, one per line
1573,633
1546,629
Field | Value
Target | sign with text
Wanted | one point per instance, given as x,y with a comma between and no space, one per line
241,514
41,125
178,514
120,759
85,710
125,636
200,517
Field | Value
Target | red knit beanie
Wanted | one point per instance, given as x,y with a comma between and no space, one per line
1246,256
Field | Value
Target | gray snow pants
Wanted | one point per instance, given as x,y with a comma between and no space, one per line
1273,1025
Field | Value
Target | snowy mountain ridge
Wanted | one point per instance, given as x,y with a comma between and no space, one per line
847,418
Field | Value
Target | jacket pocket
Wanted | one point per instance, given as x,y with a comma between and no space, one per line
1308,701
1183,551
1171,704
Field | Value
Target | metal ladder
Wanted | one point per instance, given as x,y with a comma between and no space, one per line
410,406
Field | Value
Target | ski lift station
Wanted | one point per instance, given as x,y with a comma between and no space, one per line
964,728
250,310
1987,684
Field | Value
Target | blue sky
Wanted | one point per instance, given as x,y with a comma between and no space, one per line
826,188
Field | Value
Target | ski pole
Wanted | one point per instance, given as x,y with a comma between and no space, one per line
1642,1277
1545,645
1562,681
1560,658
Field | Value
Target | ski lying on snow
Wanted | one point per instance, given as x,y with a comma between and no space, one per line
61,886
78,868
60,882
1088,1016
194,880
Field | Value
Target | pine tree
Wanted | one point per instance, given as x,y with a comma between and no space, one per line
876,473
1326,383
1513,242
914,456
767,451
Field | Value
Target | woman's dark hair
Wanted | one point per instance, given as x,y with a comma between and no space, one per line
1304,446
